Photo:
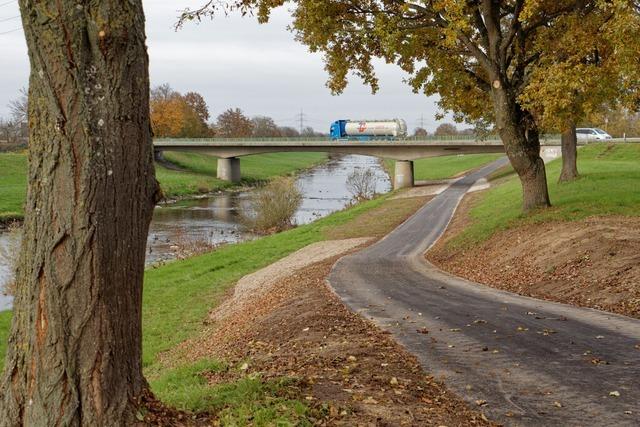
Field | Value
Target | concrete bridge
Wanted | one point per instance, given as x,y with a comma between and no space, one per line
404,152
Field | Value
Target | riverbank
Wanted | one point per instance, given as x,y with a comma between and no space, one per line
179,296
198,171
585,250
197,177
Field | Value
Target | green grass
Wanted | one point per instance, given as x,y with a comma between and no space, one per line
434,168
5,329
247,400
200,170
13,184
199,177
609,184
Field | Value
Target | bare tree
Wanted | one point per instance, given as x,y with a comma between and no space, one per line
10,132
289,132
264,127
163,92
361,183
19,107
420,132
446,129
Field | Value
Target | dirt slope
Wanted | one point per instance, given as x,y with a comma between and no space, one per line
594,262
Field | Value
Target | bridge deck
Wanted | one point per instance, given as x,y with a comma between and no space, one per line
398,150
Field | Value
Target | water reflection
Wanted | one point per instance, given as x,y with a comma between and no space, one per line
217,219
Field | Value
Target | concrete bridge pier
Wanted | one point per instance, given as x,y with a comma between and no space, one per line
403,177
229,169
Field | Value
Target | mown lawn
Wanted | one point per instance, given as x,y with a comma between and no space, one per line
609,184
199,175
13,184
434,168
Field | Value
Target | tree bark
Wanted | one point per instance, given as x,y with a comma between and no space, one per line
75,349
569,142
522,144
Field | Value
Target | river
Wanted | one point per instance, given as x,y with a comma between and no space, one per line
178,228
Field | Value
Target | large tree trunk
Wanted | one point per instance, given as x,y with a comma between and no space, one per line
522,145
569,142
75,348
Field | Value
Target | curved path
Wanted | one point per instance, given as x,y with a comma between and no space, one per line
522,360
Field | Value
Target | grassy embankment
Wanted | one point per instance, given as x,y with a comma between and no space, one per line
435,168
608,185
199,175
179,295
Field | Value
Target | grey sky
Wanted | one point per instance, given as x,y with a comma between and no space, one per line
235,62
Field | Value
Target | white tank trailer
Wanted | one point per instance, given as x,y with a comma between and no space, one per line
369,129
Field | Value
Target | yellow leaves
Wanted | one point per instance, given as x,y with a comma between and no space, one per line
175,116
167,116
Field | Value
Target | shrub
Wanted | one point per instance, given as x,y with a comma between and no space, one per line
361,183
273,206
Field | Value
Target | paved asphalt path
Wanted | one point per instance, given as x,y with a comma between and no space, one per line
534,362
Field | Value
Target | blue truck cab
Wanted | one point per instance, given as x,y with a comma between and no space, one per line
337,130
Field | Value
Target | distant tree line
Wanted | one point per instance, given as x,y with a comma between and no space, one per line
174,115
445,129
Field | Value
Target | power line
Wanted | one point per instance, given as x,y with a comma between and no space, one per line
6,3
11,31
10,19
301,117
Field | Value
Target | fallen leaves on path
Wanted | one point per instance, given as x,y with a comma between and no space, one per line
301,329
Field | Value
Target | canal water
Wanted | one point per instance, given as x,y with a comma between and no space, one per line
181,227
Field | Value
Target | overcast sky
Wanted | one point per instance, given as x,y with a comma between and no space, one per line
236,62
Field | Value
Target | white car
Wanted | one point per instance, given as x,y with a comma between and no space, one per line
591,134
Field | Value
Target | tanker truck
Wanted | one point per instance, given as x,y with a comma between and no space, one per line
366,130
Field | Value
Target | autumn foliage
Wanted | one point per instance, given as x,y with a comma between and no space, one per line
522,65
174,115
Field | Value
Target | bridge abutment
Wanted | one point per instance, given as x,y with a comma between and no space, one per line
229,169
403,176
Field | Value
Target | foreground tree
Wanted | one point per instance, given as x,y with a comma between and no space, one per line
75,348
473,54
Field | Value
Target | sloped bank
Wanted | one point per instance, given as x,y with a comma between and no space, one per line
584,251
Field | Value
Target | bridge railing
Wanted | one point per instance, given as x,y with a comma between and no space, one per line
470,138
